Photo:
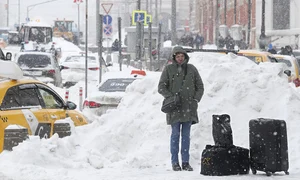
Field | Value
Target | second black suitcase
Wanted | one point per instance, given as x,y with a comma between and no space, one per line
220,161
268,146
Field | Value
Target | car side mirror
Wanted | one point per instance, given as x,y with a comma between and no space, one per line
287,72
61,68
71,105
8,56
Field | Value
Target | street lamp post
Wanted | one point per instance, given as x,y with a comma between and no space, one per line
19,12
33,5
7,6
78,2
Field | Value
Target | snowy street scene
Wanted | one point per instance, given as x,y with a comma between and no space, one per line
149,89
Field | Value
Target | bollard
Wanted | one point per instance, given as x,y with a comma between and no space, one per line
67,95
80,98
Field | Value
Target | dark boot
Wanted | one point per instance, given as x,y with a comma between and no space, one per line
176,167
187,167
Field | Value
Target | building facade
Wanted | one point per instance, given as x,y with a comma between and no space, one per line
212,13
282,26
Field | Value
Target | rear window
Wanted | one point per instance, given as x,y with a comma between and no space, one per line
115,85
34,60
90,59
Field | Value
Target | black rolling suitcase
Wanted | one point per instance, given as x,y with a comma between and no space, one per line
220,161
268,146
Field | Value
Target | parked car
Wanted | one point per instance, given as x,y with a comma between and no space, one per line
13,37
293,67
257,56
42,66
110,92
6,57
73,68
30,107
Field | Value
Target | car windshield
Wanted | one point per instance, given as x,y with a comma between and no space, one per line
296,53
287,62
3,31
116,85
2,56
34,60
91,59
272,59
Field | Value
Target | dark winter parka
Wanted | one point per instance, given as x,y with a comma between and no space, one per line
171,80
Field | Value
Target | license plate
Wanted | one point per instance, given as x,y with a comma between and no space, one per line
33,73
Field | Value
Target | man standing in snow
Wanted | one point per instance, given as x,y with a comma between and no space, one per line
185,77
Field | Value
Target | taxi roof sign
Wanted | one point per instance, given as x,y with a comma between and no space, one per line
10,70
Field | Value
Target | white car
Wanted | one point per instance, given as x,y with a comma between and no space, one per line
73,68
109,94
42,66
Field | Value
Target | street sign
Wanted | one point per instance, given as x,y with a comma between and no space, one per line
139,16
107,7
107,19
107,30
148,18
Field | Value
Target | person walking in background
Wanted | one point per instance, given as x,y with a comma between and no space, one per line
229,42
271,49
185,77
115,45
199,41
221,42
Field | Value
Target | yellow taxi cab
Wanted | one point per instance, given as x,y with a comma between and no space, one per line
30,107
257,56
293,67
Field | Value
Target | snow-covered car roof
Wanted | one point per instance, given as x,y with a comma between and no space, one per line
34,53
37,24
122,74
10,70
69,54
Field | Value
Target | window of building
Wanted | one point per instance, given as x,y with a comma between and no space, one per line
281,14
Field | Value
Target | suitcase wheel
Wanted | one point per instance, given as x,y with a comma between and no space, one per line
268,173
253,171
286,172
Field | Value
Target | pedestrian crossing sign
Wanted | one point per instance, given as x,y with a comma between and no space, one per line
139,16
148,18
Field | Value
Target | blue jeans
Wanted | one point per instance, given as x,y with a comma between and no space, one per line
185,141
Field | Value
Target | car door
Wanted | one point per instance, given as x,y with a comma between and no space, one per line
57,108
23,107
52,102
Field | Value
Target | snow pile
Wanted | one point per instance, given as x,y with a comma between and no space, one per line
133,140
